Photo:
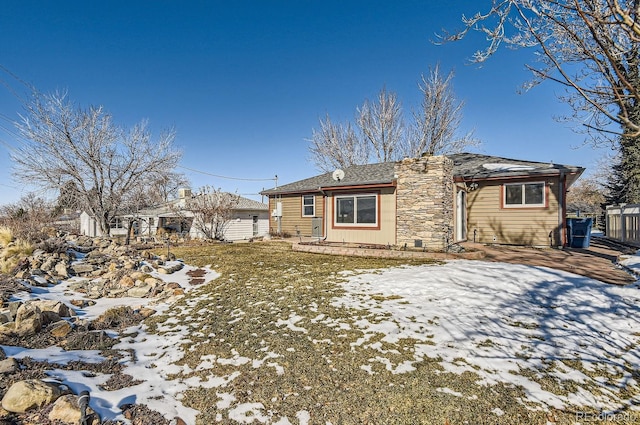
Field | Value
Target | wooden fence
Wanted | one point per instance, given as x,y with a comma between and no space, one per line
623,223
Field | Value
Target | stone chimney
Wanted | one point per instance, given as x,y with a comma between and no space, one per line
424,199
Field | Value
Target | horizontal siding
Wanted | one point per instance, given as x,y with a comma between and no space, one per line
241,225
292,220
527,226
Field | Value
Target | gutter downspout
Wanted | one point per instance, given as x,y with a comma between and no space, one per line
324,213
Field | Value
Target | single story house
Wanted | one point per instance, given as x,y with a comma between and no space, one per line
249,219
430,202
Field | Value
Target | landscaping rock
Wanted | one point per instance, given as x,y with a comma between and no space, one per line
13,308
126,282
53,306
83,268
67,411
28,320
9,365
60,329
139,291
62,270
146,312
29,394
7,330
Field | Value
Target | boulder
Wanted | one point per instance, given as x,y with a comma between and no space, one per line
83,268
13,308
146,312
67,411
29,394
60,329
53,306
152,281
126,282
139,291
49,264
28,320
9,365
62,270
7,330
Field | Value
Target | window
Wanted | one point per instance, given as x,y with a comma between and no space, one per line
524,195
356,210
308,206
116,223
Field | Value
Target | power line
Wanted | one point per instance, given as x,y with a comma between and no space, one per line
226,177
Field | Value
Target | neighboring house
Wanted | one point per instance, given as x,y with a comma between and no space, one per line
430,202
249,219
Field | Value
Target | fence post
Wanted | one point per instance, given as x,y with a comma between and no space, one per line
623,224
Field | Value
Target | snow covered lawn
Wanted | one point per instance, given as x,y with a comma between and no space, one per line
289,338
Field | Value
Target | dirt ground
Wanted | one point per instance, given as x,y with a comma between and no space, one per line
598,261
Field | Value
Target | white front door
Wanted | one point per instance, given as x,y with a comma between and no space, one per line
461,216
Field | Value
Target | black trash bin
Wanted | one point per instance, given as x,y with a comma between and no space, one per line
579,232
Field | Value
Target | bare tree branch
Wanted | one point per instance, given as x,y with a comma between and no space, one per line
382,134
337,146
212,211
588,46
381,125
437,122
64,145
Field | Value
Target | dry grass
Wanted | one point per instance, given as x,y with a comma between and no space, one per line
243,314
12,252
6,236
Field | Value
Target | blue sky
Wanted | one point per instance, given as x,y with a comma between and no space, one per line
244,82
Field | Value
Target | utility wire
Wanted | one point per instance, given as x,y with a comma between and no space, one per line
226,177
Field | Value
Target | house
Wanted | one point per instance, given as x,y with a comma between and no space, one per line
249,219
430,202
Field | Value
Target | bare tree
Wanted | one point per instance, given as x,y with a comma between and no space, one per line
382,135
437,121
337,146
381,125
586,197
590,47
65,145
28,218
212,211
166,186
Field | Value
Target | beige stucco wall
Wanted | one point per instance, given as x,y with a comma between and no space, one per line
424,207
518,226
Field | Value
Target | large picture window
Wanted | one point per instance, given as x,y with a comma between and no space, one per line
524,195
356,210
308,206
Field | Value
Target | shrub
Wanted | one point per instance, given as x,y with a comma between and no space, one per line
117,318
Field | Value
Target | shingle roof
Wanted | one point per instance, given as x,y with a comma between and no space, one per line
169,207
368,174
465,165
477,166
250,204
